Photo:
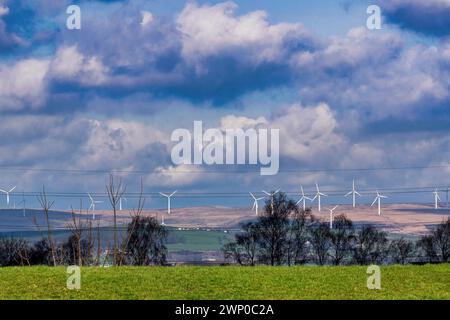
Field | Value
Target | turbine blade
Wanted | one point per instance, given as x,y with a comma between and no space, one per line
374,201
12,189
252,195
173,192
349,193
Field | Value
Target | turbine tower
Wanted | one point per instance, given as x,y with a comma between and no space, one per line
255,203
271,195
331,216
436,199
378,198
303,198
92,206
354,193
318,197
7,194
120,202
168,196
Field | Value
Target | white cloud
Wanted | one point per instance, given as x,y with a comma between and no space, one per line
240,122
23,84
307,133
71,65
209,30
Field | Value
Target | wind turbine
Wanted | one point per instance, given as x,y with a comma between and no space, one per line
353,193
303,198
378,198
436,199
7,194
318,197
331,216
168,196
271,195
120,202
255,203
92,206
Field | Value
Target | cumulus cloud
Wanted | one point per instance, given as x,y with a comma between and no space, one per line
23,84
307,133
210,30
69,64
376,75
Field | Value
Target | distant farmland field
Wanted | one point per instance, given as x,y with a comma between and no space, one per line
290,283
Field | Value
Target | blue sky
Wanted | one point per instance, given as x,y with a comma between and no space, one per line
108,96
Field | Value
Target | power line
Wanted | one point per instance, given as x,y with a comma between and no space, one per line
238,194
210,171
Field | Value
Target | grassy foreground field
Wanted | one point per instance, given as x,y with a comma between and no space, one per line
309,282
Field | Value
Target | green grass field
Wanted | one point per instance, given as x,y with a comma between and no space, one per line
309,282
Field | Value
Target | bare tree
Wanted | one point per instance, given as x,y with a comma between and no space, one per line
135,214
370,245
341,238
46,205
401,250
320,241
436,245
245,249
115,192
297,242
273,229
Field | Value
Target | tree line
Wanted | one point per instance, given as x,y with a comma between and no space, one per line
288,235
283,235
144,242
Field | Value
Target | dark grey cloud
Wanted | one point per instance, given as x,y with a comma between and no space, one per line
429,17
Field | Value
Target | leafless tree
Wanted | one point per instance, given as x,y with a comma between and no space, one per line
401,250
436,245
46,205
135,215
115,191
320,241
341,238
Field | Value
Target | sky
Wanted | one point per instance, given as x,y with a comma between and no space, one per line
75,104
